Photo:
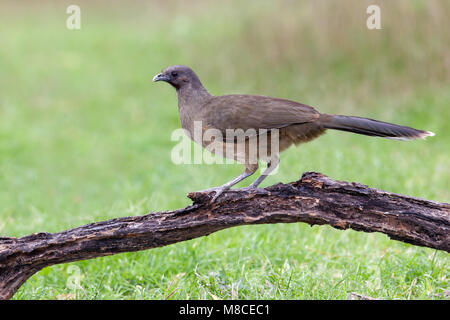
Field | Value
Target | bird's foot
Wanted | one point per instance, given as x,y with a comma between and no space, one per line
218,191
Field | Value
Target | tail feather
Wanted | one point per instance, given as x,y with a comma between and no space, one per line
374,128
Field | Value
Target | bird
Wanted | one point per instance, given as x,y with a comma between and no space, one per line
282,122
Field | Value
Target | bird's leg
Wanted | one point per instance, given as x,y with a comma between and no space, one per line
219,190
270,167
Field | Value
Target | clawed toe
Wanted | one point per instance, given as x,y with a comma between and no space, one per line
218,191
217,195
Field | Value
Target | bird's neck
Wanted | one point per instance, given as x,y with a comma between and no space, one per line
190,104
192,96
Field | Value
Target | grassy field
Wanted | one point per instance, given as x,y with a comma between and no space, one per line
85,136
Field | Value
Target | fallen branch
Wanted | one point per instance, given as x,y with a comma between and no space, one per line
315,199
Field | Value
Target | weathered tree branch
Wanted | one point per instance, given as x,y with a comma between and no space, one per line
315,199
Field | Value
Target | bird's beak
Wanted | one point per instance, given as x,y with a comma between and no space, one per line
161,77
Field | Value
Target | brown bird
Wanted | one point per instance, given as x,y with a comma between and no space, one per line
250,117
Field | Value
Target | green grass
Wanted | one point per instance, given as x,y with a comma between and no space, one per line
85,136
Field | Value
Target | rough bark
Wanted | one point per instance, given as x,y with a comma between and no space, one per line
314,199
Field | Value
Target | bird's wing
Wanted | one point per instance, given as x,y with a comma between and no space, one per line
255,112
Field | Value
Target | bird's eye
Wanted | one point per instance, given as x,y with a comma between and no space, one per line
174,74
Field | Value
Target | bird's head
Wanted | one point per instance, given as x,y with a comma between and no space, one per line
179,76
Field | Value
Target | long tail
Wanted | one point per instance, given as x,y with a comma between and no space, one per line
373,128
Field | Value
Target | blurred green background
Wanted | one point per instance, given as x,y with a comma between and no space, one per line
85,136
